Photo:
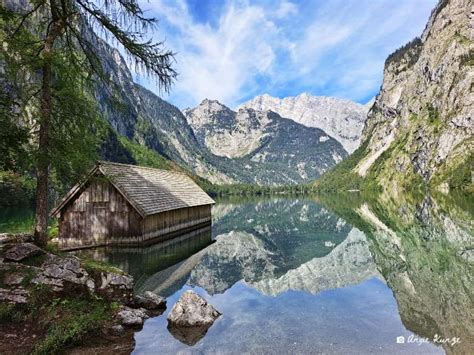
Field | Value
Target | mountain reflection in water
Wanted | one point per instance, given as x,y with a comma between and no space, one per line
290,275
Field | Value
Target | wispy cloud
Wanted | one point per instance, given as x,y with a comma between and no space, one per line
238,49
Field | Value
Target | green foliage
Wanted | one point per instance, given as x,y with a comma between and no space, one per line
144,156
15,189
10,313
77,319
410,52
468,59
461,178
433,115
342,177
256,190
461,38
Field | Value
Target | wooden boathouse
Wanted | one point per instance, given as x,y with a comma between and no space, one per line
120,204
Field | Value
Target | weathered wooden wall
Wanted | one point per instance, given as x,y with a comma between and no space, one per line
174,220
99,212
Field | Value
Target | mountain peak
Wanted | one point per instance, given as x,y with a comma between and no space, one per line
340,118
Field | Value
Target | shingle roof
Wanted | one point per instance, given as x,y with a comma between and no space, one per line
149,190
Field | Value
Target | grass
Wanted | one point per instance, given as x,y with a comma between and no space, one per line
10,313
460,178
77,318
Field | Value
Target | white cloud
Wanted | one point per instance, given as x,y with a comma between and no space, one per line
219,62
286,8
335,47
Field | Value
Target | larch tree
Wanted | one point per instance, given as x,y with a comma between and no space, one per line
51,44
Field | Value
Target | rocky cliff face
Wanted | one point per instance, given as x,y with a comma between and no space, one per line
271,149
421,125
341,119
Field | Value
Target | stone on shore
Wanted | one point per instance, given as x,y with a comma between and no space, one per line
20,252
131,317
150,301
65,274
115,287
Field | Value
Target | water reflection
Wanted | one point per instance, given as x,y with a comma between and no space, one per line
290,275
152,265
423,249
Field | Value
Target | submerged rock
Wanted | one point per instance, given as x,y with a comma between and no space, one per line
150,300
132,317
22,251
191,317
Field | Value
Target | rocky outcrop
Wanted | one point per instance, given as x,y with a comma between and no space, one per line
115,286
263,146
14,296
341,119
22,251
421,125
191,317
64,275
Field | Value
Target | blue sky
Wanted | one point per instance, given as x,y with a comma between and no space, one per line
233,50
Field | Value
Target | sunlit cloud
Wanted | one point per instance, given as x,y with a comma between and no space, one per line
234,50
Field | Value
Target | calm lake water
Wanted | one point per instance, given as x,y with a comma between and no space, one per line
292,276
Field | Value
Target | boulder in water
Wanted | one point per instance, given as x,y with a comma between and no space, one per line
191,317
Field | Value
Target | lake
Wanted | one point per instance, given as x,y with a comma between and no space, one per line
329,274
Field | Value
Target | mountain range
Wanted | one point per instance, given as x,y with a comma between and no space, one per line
341,119
212,141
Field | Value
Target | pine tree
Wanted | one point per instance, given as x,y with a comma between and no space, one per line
51,44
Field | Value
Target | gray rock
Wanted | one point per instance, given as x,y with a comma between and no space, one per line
16,296
22,251
192,310
150,300
114,286
65,275
13,279
131,317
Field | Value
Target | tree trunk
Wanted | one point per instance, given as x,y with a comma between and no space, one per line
43,159
42,168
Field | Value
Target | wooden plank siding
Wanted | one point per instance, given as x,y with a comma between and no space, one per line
100,215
